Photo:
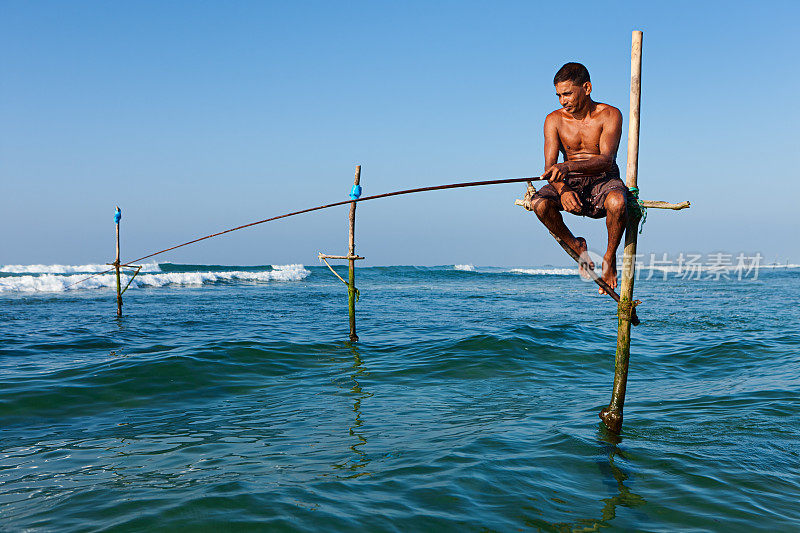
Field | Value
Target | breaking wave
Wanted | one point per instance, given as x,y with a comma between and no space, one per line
28,279
545,271
51,282
67,269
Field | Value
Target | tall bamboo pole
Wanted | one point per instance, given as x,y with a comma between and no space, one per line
351,285
612,415
117,218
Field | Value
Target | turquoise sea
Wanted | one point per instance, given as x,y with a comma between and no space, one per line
228,399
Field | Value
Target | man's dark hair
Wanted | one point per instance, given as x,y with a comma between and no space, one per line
574,72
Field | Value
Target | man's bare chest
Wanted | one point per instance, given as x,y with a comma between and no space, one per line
578,136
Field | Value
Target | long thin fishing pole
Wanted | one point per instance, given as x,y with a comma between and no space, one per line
343,202
325,206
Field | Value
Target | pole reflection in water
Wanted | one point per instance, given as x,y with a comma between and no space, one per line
624,496
360,460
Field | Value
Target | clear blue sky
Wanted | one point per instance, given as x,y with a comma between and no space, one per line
198,116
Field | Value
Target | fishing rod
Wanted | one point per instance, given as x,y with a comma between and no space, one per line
319,207
344,202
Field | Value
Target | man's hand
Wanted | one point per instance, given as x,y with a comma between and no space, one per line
570,201
557,172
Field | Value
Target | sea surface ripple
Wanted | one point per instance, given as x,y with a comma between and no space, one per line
228,399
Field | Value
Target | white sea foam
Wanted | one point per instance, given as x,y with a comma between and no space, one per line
734,268
785,265
465,268
294,272
66,269
545,271
56,283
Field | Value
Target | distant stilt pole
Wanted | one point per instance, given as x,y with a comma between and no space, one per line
612,415
352,292
351,284
117,218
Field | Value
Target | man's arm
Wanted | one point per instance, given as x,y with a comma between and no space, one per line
552,143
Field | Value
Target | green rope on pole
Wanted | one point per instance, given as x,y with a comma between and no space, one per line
357,292
636,207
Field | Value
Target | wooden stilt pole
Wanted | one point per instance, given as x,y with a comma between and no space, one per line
117,218
351,284
612,415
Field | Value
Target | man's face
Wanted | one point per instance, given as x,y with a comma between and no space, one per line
571,96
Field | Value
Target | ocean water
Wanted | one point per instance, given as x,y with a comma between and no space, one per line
228,399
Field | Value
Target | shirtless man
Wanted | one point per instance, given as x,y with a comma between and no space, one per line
587,183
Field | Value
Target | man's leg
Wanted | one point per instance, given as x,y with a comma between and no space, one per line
616,217
548,213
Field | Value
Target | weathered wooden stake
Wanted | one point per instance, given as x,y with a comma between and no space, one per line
117,217
612,415
351,285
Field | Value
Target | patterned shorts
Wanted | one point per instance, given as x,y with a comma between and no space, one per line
592,191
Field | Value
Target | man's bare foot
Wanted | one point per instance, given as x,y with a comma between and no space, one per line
586,261
609,272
